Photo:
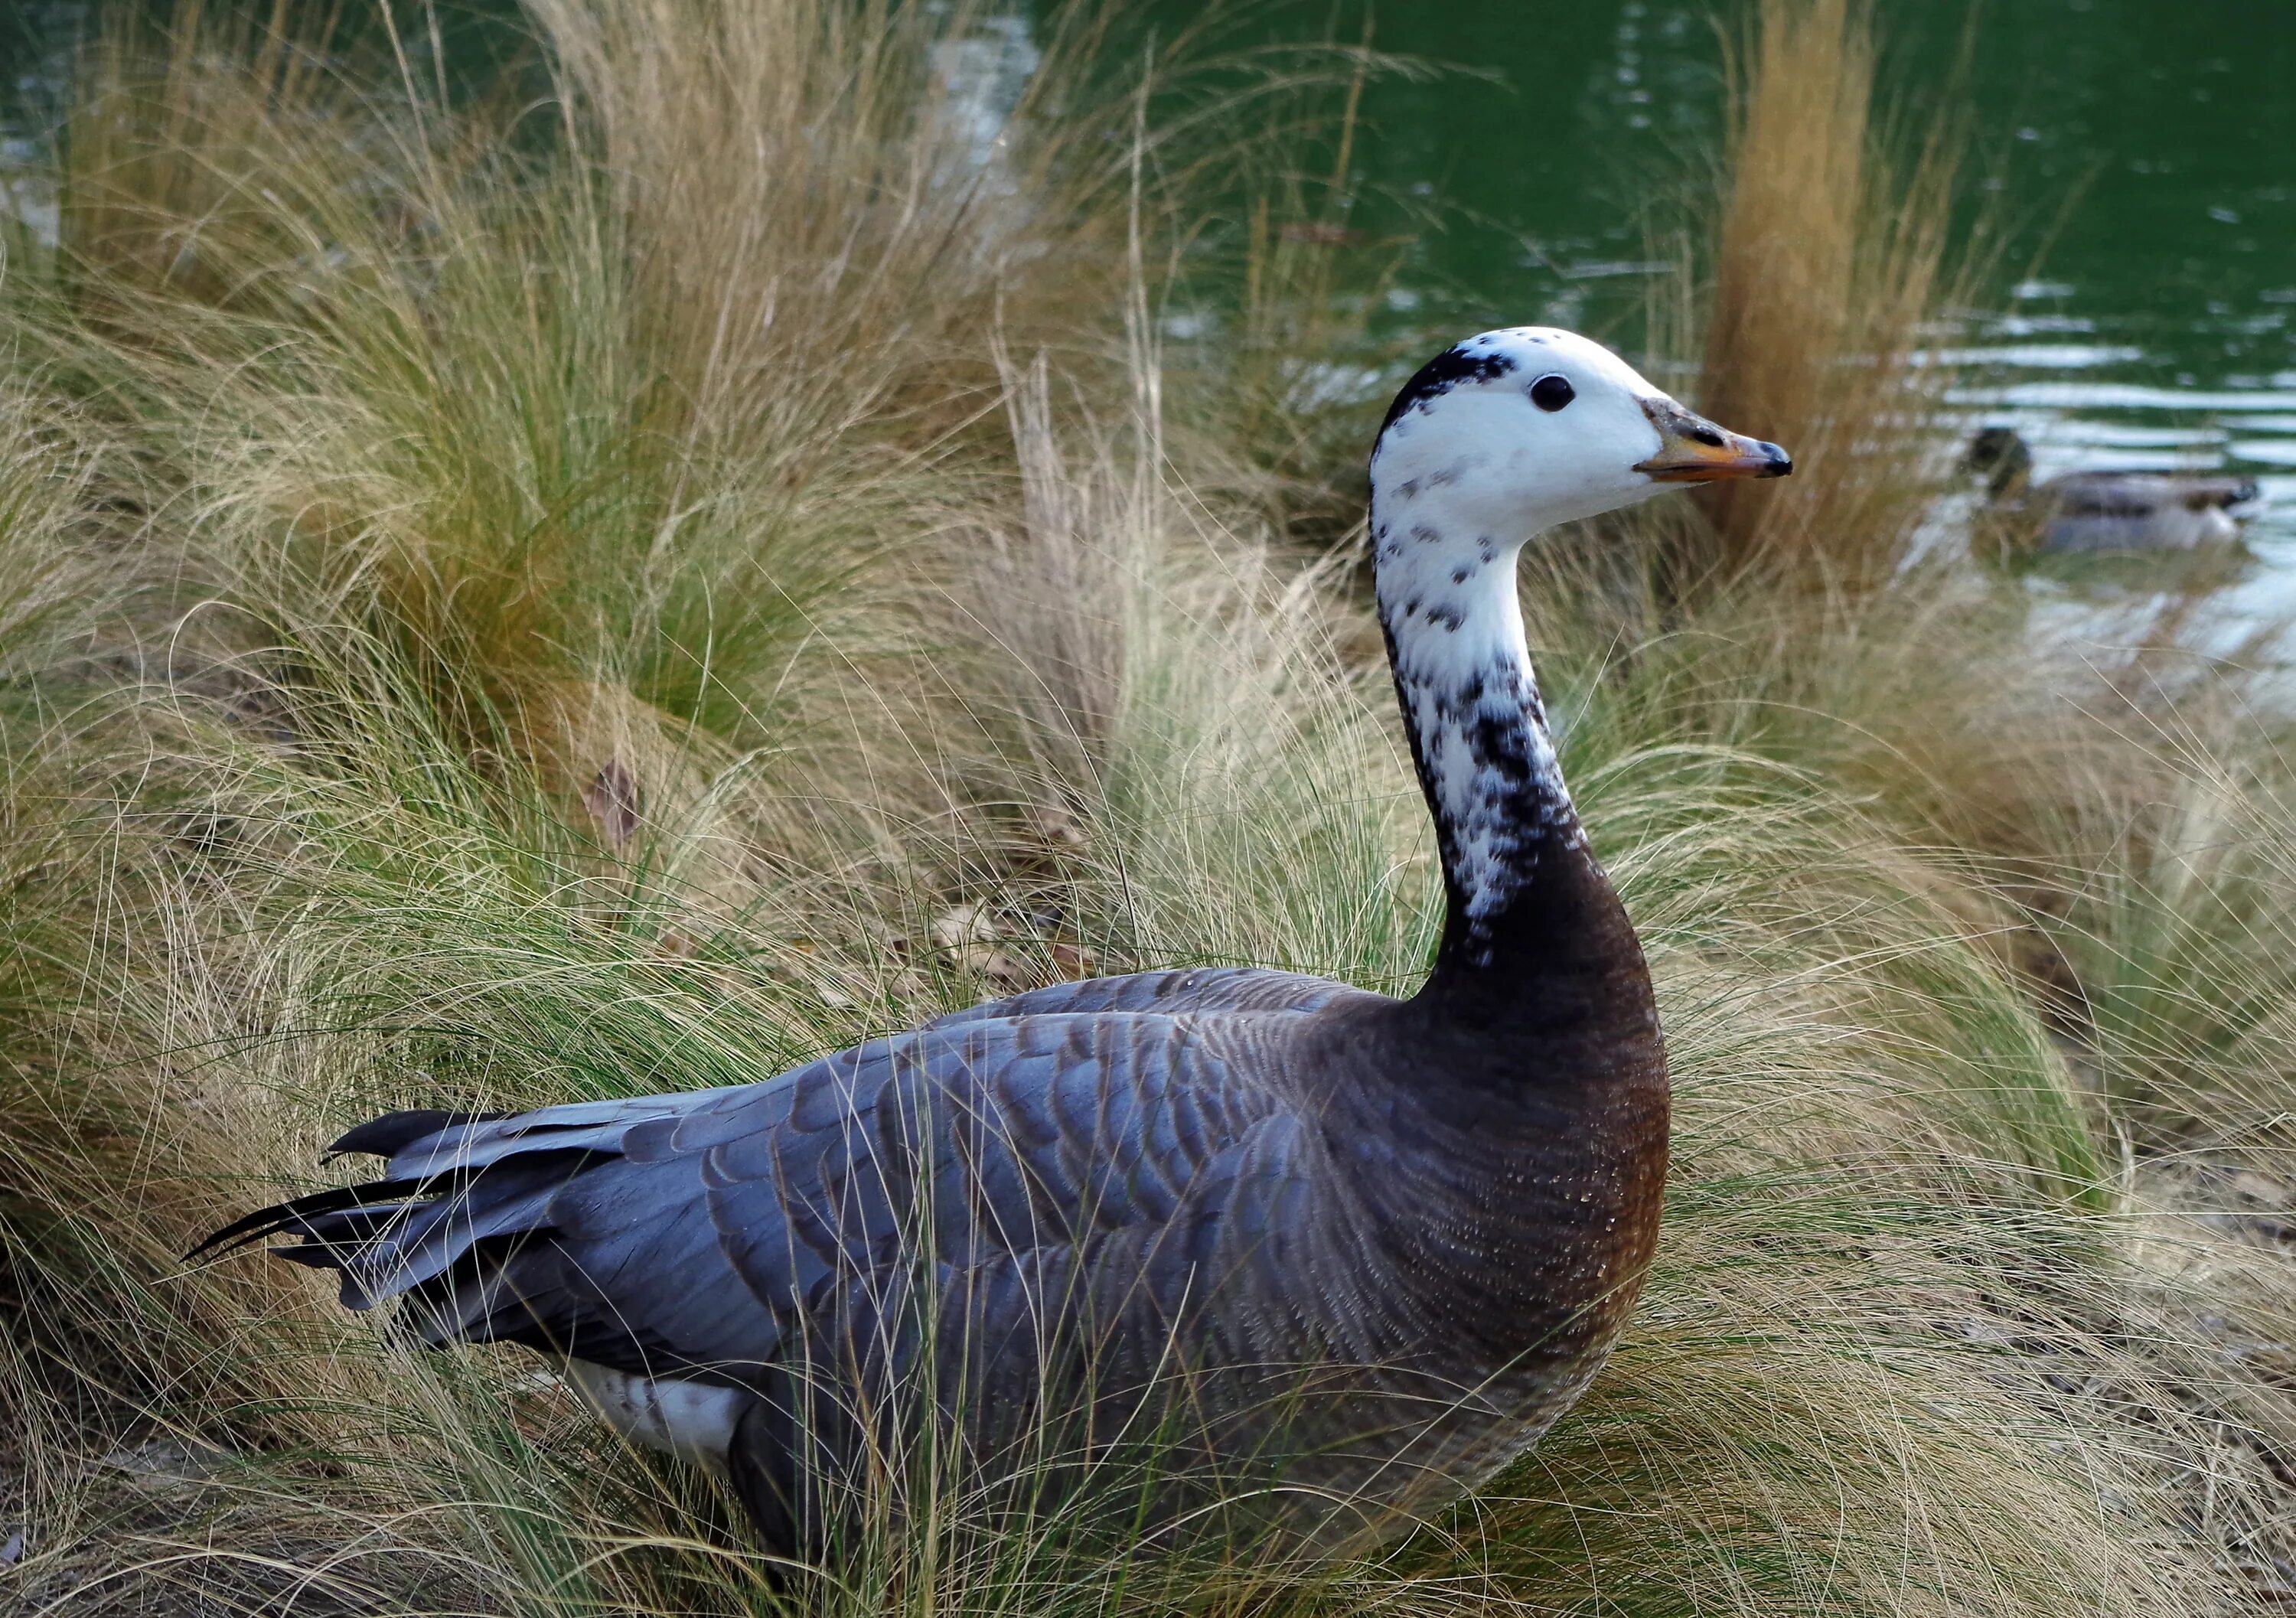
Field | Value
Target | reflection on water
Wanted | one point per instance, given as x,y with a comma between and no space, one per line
2147,141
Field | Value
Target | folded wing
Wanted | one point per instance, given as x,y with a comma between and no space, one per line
1130,1122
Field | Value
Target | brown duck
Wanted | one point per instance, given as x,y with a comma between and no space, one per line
2104,510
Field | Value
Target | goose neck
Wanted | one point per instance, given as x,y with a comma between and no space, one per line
1524,899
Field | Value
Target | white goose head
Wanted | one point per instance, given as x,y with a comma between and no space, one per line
1529,427
1494,441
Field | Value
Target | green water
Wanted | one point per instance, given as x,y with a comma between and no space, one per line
2140,153
2143,151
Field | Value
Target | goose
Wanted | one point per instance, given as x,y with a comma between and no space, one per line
2105,511
1382,1243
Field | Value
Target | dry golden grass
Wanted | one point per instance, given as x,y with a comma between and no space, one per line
1825,271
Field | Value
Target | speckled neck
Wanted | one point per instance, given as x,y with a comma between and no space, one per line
1504,818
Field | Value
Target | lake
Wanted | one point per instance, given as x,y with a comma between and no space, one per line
2142,152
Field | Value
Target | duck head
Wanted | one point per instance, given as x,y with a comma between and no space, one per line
2002,457
1495,440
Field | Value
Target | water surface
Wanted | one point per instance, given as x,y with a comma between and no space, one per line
2139,154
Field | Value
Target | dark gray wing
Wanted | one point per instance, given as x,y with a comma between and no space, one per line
2142,494
690,1234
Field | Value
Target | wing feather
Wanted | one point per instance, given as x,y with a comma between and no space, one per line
1129,1125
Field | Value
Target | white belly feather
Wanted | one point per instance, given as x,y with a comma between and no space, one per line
691,1419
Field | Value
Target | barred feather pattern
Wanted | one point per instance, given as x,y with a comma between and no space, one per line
1094,1201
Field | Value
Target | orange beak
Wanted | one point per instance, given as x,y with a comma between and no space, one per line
1693,449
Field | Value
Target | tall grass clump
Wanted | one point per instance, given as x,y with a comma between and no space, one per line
625,390
1825,261
2172,936
632,589
1827,620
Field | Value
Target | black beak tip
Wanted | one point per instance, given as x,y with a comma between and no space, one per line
1781,463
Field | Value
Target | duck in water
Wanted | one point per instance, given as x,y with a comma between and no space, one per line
2104,511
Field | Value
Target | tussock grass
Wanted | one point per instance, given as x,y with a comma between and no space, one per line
625,390
520,605
1827,262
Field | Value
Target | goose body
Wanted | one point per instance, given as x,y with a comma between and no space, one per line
1377,1244
2107,511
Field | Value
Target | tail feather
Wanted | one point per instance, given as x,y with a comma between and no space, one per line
292,1217
388,1236
466,1200
576,1229
436,1234
393,1132
423,1148
2220,493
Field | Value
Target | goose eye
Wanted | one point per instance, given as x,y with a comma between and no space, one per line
1552,392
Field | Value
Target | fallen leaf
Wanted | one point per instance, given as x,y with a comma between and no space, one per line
12,1552
993,967
2257,1188
1074,961
1058,827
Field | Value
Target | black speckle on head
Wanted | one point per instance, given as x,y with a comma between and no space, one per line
1425,535
1488,548
1464,363
1461,574
1448,616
